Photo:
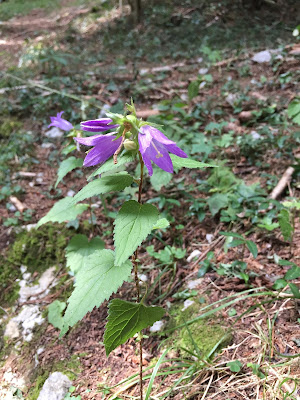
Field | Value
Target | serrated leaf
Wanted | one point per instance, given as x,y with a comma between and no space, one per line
216,202
95,282
285,225
179,162
55,310
252,248
111,183
125,319
63,210
79,249
133,224
160,178
292,273
295,290
109,165
66,166
161,224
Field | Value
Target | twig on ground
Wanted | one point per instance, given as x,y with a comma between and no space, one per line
281,185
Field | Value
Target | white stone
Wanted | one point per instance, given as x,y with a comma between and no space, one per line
23,268
48,145
45,281
54,133
187,303
157,326
203,71
29,227
26,276
262,57
143,277
55,387
28,318
255,135
202,84
231,98
39,180
194,283
12,208
70,193
199,59
209,237
12,330
194,254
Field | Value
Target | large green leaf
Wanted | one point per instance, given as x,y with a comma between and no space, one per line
63,210
109,165
179,162
216,202
294,111
66,166
133,224
95,282
79,249
125,319
111,183
160,178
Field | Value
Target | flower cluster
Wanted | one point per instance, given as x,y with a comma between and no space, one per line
131,133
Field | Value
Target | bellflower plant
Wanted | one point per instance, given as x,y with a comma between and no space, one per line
99,272
60,123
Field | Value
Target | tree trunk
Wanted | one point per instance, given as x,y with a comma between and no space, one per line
136,10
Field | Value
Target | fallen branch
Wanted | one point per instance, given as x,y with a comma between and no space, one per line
16,202
281,185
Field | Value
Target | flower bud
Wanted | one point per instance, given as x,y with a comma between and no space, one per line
130,144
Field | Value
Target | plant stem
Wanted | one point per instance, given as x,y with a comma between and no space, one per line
136,278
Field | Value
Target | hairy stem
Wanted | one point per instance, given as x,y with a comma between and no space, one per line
136,278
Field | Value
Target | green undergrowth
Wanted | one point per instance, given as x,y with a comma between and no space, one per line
13,8
38,249
202,338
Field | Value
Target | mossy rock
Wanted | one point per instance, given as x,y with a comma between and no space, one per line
202,338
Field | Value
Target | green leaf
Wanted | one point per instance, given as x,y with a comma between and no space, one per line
231,234
252,248
111,183
193,89
160,178
66,166
95,282
133,224
109,165
235,366
179,162
285,225
125,319
295,290
79,249
216,202
292,273
55,310
294,110
279,284
161,224
63,210
236,242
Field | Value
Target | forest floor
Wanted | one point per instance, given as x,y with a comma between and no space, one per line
222,107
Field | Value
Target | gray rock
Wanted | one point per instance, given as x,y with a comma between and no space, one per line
54,133
55,387
47,146
45,282
28,318
203,71
70,193
12,330
193,255
262,57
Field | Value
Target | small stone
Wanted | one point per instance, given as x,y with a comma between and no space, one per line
29,227
255,135
45,281
55,387
202,84
203,71
54,133
47,146
199,59
104,110
194,283
209,237
71,193
187,303
12,330
232,98
157,326
28,318
143,277
23,268
39,180
12,208
193,255
262,57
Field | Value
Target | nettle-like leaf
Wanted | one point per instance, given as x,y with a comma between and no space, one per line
109,165
111,183
66,166
125,319
95,282
162,223
79,249
160,178
63,210
55,310
133,224
179,163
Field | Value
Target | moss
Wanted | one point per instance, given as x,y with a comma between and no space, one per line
200,337
35,391
8,127
9,288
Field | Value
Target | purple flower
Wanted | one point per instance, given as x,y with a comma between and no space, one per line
155,146
97,125
104,147
60,123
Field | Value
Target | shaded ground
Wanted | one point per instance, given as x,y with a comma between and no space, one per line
268,333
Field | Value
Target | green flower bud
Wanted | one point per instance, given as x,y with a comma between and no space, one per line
130,144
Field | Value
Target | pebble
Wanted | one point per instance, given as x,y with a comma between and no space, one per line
12,330
255,135
262,57
54,133
55,387
47,146
187,303
194,283
193,255
203,71
71,193
28,318
157,326
209,237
